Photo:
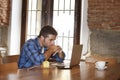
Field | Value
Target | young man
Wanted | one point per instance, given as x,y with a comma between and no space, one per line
35,51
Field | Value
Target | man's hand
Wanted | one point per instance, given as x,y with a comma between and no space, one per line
60,52
52,50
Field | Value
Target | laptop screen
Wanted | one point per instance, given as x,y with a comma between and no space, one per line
76,55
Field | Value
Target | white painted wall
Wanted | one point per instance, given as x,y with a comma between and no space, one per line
14,28
85,30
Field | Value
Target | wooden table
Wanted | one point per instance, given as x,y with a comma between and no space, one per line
86,71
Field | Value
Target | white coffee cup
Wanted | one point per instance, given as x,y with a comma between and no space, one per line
100,65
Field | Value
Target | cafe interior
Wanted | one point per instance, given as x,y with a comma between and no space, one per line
94,24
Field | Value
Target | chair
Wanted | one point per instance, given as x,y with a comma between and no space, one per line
0,60
10,59
8,67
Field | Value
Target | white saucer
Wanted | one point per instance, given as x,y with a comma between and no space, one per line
101,68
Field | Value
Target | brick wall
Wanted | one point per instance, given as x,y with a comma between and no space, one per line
104,14
5,6
104,23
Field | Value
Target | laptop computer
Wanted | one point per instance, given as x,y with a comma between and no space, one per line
75,58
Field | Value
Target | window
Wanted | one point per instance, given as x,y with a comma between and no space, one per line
33,18
62,15
63,21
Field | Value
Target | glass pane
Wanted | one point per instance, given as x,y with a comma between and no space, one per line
63,21
39,3
72,4
38,22
67,4
56,2
28,23
61,4
34,18
34,4
29,4
33,22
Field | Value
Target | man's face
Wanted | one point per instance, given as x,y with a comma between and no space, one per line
49,41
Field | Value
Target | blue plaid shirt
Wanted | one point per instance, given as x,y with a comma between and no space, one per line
31,54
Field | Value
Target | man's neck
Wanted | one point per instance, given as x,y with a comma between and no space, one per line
40,42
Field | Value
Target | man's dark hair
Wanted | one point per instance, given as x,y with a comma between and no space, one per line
46,30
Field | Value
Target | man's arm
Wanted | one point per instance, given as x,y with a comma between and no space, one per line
34,55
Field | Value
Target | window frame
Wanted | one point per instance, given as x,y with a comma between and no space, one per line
47,18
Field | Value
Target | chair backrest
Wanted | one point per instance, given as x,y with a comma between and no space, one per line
0,60
10,59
